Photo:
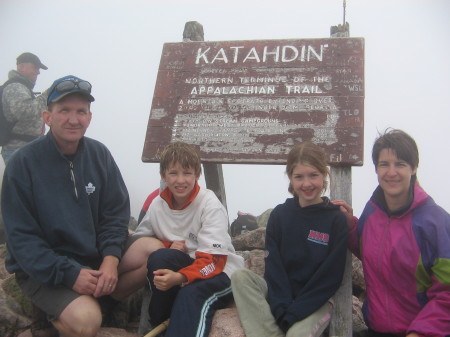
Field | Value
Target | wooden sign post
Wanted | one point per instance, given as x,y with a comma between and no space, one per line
341,188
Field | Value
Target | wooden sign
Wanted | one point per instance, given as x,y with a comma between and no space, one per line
251,101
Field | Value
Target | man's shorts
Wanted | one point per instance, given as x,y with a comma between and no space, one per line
50,299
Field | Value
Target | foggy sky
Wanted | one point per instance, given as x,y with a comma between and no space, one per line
116,45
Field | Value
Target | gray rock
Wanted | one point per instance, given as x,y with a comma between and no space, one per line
226,323
255,261
14,308
358,283
358,319
250,240
2,229
263,218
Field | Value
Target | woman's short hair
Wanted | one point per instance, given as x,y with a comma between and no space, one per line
402,144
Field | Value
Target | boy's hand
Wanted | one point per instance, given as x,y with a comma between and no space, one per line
180,245
164,279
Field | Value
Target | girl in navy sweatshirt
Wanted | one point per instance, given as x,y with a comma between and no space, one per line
306,245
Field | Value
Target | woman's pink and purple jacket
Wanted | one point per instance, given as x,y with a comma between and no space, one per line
406,261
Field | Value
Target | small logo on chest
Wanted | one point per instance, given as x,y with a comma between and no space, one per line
90,188
193,237
318,237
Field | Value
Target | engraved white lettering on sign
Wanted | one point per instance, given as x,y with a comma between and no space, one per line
209,80
244,90
240,54
263,104
222,128
258,98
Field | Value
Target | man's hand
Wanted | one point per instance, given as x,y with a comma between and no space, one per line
86,282
164,279
108,279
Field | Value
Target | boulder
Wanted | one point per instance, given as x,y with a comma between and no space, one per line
2,229
3,272
263,218
13,315
254,260
250,240
358,283
358,319
226,323
15,309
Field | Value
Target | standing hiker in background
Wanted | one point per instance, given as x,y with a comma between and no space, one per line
20,111
20,106
306,248
403,241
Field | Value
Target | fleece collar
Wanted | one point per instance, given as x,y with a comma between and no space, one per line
168,197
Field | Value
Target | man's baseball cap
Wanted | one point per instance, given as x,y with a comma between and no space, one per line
69,85
30,58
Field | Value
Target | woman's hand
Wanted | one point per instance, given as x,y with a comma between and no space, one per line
347,210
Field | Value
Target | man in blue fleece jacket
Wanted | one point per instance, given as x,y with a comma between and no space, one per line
66,212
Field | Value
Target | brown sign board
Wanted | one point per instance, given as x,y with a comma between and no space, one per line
249,102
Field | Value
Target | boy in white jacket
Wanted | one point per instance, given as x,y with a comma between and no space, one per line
183,248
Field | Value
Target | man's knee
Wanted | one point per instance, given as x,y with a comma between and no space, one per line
81,318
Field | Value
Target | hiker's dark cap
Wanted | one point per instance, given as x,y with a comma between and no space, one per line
30,58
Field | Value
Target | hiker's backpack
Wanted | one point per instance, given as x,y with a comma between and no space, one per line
243,224
5,125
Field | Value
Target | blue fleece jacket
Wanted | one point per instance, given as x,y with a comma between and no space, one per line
306,253
55,224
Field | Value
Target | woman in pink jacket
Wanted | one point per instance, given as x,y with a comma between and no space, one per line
403,241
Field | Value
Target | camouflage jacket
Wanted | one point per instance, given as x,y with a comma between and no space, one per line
20,104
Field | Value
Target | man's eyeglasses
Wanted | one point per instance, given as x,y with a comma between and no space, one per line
70,84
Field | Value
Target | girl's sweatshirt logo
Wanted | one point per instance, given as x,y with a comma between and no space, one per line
318,237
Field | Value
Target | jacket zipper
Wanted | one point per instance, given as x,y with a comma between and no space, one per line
72,177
